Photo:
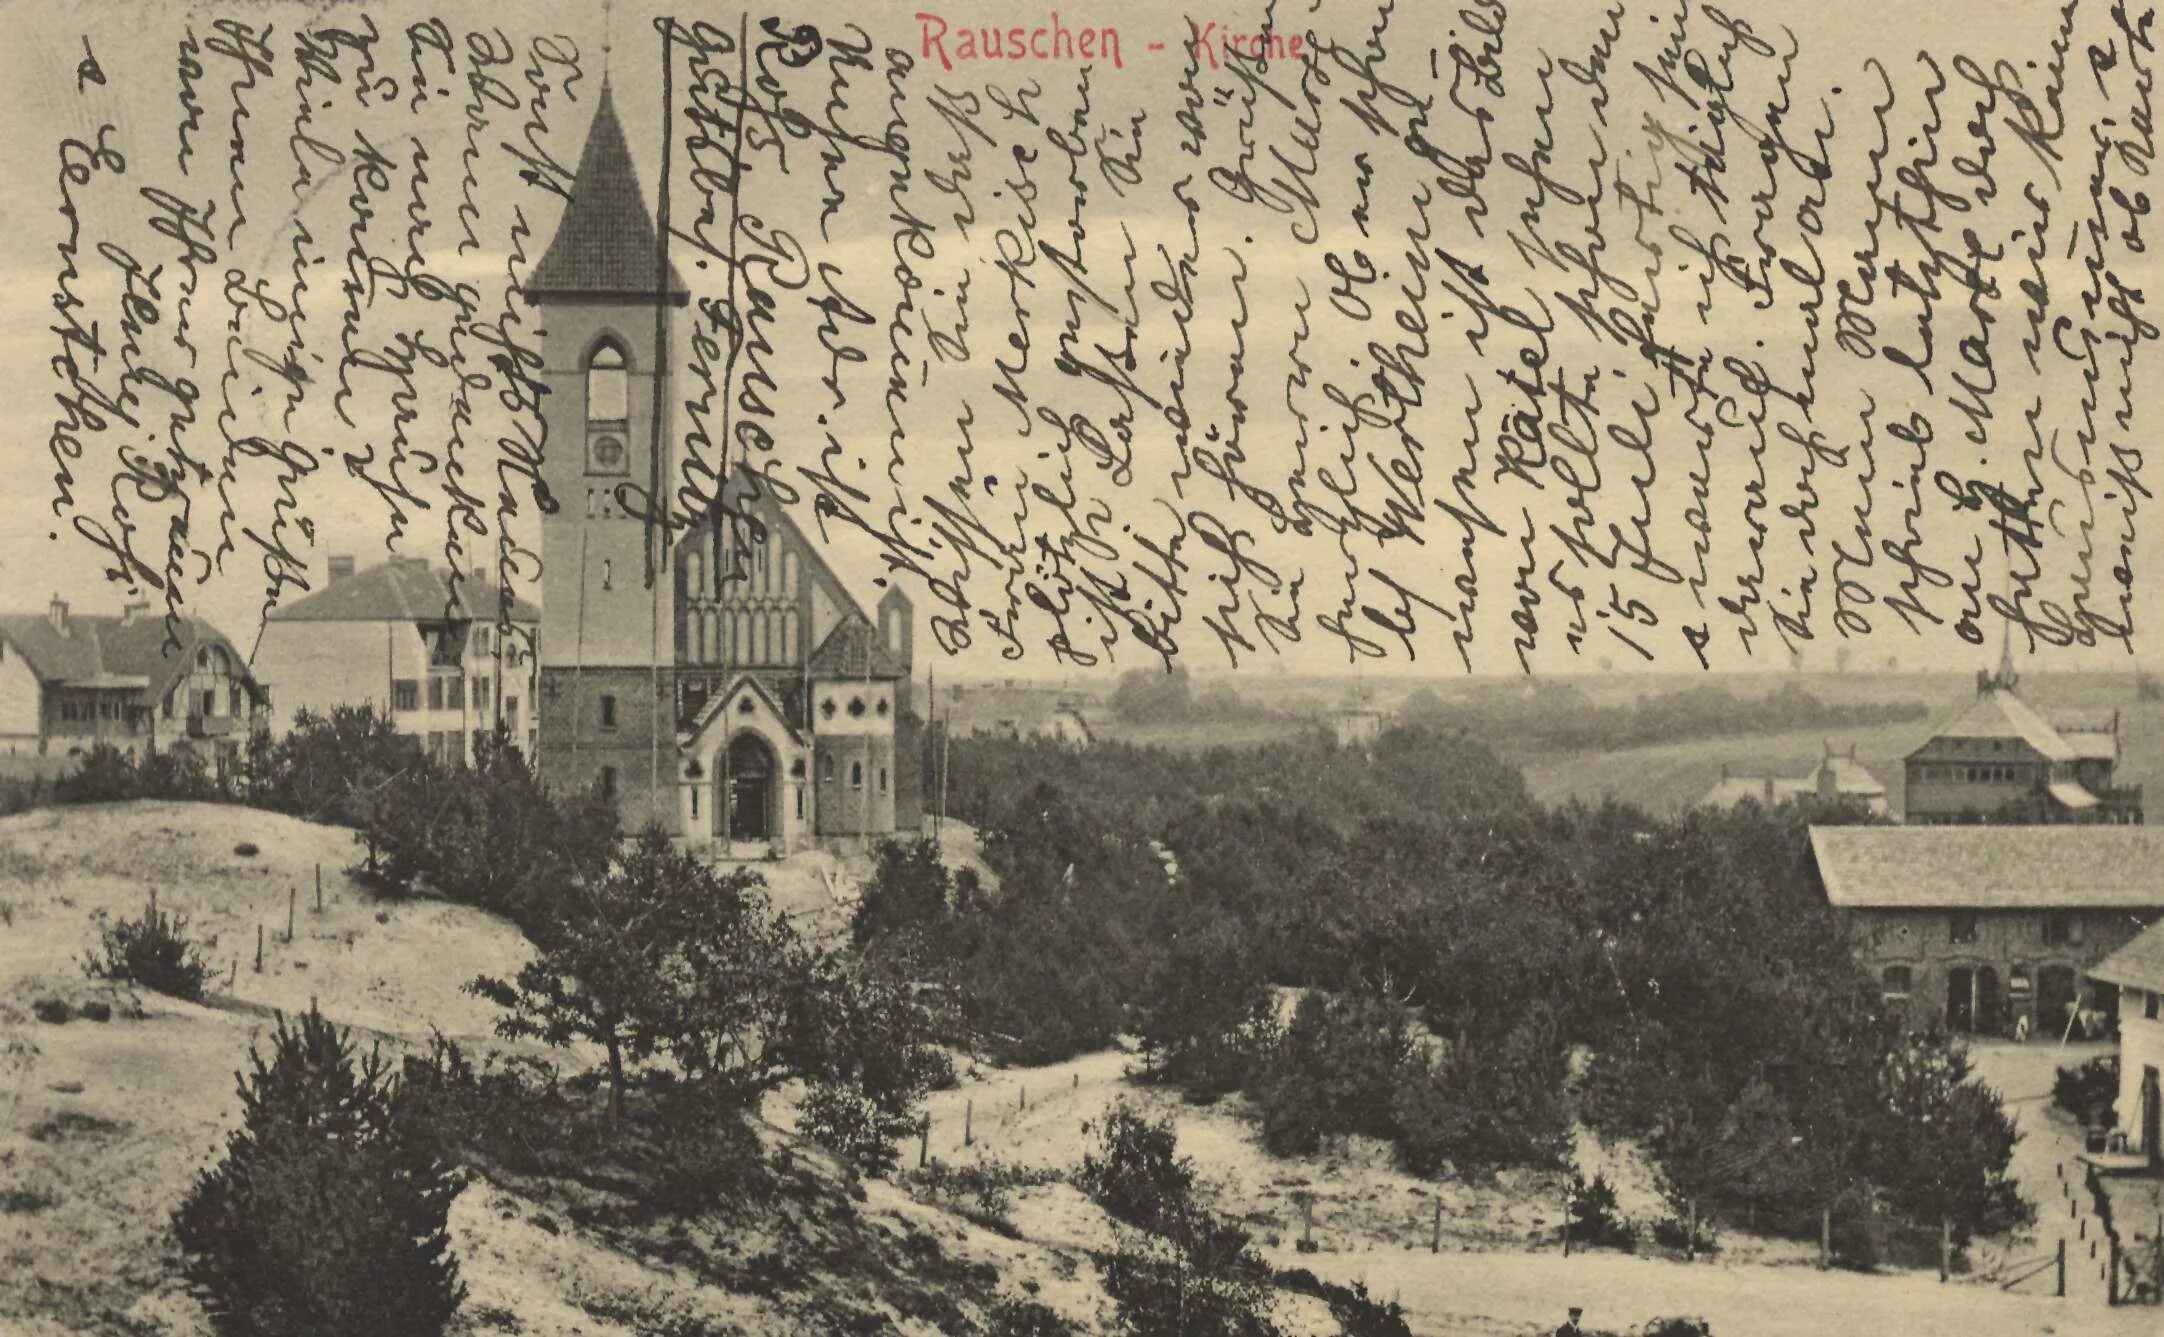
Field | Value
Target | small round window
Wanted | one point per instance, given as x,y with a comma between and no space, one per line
606,455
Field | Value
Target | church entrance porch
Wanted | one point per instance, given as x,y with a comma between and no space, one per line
741,775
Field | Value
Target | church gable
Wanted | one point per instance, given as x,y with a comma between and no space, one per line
769,603
746,704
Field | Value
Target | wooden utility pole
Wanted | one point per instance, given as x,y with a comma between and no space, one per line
319,888
292,895
1946,1247
1435,1230
259,949
924,1140
1825,1237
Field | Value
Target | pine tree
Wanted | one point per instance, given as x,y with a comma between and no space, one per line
327,1218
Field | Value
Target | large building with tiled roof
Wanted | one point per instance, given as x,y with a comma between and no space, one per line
446,663
2000,759
138,681
743,695
1992,929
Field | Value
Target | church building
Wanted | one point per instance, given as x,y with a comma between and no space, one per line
746,696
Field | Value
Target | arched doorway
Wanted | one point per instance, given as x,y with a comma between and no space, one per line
1987,1001
2056,991
1960,999
750,776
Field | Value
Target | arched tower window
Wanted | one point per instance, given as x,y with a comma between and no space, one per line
608,409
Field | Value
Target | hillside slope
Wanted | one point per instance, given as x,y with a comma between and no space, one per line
104,1124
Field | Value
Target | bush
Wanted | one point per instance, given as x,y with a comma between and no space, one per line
1358,1313
327,1215
1487,1106
1137,1174
1207,1018
153,952
853,1125
909,889
2089,1091
1336,1071
1676,1232
675,1148
977,1192
1595,1221
1166,1290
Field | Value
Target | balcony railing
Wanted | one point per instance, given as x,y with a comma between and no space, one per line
212,726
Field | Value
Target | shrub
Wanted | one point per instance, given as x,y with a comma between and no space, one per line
1486,1106
1167,1290
1677,1233
2089,1091
1595,1221
1358,1313
1207,1018
977,1192
1335,1071
327,1215
1137,1174
856,1127
152,951
909,889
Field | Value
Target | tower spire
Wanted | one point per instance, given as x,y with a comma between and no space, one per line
608,17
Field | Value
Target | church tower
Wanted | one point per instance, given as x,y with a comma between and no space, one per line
745,699
604,294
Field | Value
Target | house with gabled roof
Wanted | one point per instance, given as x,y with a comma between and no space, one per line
715,678
447,662
1992,929
138,681
1838,781
2136,971
2000,759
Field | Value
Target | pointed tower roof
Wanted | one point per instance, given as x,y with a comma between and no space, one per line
604,249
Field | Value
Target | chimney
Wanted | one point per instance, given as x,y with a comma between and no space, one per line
339,567
57,614
131,611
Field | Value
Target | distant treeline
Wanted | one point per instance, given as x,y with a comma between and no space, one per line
1155,696
1556,717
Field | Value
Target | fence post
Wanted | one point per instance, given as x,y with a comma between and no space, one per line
969,1119
259,949
292,895
924,1140
1946,1247
1690,1233
319,888
2062,1268
1435,1232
